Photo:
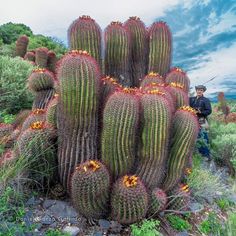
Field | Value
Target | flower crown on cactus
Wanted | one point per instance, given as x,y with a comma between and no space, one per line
37,125
184,187
38,111
188,109
154,74
91,165
177,85
86,17
188,171
177,69
78,52
40,70
155,91
111,80
130,181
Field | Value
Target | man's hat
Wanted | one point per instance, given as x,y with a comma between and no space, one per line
201,87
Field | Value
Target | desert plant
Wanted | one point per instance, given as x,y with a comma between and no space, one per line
129,200
85,34
151,78
117,53
120,122
77,111
139,49
90,184
21,46
178,223
155,118
160,48
52,61
185,130
41,57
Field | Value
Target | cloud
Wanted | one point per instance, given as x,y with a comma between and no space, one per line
221,64
52,17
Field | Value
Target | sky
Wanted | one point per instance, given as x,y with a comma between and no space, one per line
204,31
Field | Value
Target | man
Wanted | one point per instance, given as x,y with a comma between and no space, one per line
203,107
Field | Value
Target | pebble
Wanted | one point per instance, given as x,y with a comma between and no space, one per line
72,230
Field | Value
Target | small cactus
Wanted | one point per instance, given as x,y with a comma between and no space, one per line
30,56
52,61
21,45
129,200
41,57
151,78
90,186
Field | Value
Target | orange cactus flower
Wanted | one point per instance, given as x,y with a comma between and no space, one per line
130,181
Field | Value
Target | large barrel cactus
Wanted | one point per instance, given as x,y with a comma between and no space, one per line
184,134
85,34
160,48
156,118
35,145
21,45
79,77
90,186
139,49
129,200
51,113
176,75
120,123
117,53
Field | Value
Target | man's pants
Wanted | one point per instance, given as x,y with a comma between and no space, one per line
203,143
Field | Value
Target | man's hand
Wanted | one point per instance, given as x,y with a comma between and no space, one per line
198,111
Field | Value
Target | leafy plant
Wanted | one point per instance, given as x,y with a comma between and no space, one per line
146,227
13,93
56,232
211,225
224,204
178,223
230,226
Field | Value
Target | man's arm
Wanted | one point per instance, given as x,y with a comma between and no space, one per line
207,108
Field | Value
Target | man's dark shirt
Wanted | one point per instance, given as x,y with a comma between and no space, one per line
201,103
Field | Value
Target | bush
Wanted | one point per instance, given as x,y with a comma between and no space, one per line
178,223
13,93
230,226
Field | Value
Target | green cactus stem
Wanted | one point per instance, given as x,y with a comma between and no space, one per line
184,134
129,200
139,49
160,48
90,187
85,34
51,113
21,45
156,119
79,86
120,123
117,53
41,57
176,75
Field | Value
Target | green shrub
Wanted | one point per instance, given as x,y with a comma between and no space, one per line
211,225
55,232
13,93
230,226
146,227
178,223
224,204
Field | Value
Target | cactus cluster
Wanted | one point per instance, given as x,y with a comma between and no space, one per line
21,45
124,138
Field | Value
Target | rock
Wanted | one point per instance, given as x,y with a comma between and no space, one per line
196,207
98,234
115,227
32,201
47,203
72,230
104,224
28,218
47,220
184,233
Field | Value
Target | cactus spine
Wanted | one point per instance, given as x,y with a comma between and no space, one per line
176,75
117,53
185,131
120,121
151,78
160,48
90,186
156,120
85,34
79,78
51,113
139,49
129,200
21,45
